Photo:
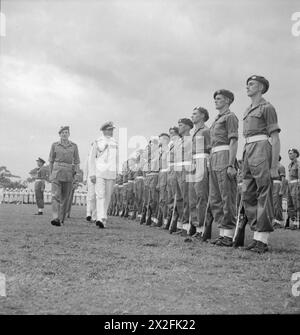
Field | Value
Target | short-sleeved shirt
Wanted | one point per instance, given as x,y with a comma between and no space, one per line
183,152
171,150
260,120
42,173
201,140
63,156
163,158
294,170
224,128
281,171
153,159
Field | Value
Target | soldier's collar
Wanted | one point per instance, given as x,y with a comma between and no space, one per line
65,144
223,113
262,101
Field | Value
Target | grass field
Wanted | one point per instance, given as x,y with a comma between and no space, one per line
133,269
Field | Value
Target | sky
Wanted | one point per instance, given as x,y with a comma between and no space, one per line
141,64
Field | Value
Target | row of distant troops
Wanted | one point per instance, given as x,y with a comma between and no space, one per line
184,181
23,196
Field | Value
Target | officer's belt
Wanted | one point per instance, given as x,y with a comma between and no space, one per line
256,138
40,180
185,163
220,148
151,174
293,181
164,170
130,181
277,181
125,184
63,164
139,177
201,155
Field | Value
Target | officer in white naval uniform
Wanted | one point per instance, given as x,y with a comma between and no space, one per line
103,164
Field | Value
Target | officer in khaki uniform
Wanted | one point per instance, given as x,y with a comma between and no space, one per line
279,185
63,155
293,190
199,183
39,185
164,140
260,162
222,174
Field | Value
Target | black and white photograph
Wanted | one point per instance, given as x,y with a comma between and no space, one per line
149,160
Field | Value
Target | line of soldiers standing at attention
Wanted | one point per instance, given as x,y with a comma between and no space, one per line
23,196
183,181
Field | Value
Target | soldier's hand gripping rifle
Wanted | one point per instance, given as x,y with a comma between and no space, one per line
239,233
208,220
173,225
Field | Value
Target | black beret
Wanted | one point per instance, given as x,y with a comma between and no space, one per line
40,160
204,111
262,80
175,129
62,128
186,121
226,94
295,151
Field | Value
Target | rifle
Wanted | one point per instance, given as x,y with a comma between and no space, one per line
208,220
173,225
239,233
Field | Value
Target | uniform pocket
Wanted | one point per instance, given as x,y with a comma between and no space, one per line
219,160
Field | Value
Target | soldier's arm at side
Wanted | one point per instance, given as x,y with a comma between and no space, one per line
51,157
232,128
275,153
92,163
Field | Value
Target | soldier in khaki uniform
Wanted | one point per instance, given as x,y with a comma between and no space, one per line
182,168
119,196
260,162
152,180
199,184
39,185
124,210
78,178
164,140
139,185
130,188
293,190
279,185
171,175
63,155
222,174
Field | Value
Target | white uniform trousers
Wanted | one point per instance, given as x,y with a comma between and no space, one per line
91,200
104,190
